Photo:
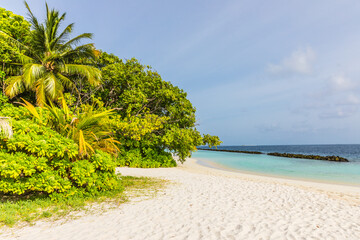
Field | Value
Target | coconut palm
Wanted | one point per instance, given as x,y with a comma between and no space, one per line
52,61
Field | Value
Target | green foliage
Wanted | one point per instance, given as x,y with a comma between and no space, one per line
152,113
3,100
211,141
88,126
149,159
182,141
17,28
148,119
14,25
50,60
16,113
21,173
103,162
136,127
106,59
40,141
2,74
136,89
38,159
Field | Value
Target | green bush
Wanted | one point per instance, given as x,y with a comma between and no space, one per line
21,173
148,158
39,160
8,110
40,141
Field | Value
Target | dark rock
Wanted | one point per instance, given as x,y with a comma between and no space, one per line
224,150
287,155
314,157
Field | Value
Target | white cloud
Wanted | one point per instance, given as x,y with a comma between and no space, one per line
341,83
299,62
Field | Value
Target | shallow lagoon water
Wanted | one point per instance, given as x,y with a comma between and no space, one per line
334,172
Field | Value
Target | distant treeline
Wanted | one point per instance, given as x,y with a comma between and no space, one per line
287,155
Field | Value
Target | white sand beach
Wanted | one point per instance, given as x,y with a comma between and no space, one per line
206,203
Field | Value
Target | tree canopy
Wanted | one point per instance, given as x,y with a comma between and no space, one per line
137,91
17,28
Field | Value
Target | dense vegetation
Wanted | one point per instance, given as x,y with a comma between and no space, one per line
77,112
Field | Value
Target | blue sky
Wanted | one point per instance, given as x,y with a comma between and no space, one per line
258,72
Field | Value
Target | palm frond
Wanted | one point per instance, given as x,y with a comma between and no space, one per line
15,86
84,145
77,39
52,25
90,119
53,86
40,92
66,82
92,74
32,72
32,19
65,107
32,109
85,51
65,33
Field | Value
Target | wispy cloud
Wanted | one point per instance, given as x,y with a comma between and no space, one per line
338,112
299,62
337,97
341,83
350,99
274,127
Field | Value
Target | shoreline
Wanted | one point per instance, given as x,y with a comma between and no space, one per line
214,165
207,203
338,191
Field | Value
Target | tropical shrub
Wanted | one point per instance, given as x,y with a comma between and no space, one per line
39,160
148,158
40,141
88,126
21,173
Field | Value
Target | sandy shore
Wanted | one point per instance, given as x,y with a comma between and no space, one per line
206,203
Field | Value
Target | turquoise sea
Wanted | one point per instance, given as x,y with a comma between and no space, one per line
306,169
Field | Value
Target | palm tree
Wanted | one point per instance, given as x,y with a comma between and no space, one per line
52,61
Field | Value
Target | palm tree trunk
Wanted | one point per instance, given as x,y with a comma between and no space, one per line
5,127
